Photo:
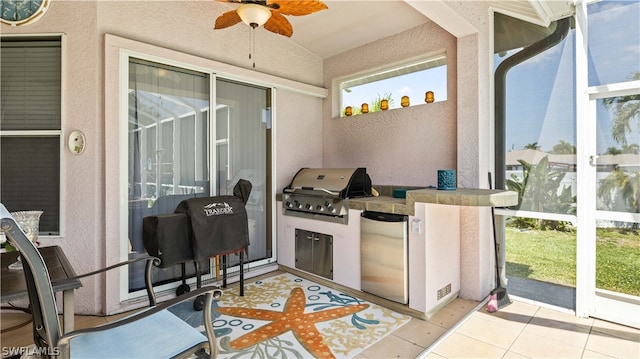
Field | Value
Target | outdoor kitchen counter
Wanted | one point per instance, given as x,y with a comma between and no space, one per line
474,197
386,204
434,239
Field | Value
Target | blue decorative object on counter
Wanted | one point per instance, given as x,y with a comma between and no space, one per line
400,193
447,180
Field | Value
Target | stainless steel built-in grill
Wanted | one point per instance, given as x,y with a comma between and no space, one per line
323,193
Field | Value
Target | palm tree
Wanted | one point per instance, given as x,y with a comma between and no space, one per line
623,186
627,109
632,148
613,151
563,148
532,146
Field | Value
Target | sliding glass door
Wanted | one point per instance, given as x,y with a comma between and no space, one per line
243,139
179,149
168,150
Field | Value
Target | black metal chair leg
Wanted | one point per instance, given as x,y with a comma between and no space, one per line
198,303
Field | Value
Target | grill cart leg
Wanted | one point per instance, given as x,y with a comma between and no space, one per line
217,268
196,264
242,273
224,271
184,287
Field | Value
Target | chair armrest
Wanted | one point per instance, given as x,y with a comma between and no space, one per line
151,261
209,292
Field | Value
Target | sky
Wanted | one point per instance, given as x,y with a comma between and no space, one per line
540,95
412,85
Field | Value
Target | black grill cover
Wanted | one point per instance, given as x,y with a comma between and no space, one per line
242,190
219,225
167,236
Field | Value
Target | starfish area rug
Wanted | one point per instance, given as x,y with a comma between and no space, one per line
286,316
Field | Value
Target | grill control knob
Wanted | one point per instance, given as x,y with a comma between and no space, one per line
288,204
319,208
297,204
309,206
329,206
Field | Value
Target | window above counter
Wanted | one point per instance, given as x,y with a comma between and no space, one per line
410,83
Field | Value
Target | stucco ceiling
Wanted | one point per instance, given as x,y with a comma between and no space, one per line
348,24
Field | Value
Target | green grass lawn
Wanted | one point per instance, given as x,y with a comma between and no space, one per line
550,256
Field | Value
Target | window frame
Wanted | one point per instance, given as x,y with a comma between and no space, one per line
61,37
405,67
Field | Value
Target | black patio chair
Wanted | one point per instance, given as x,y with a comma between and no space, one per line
152,333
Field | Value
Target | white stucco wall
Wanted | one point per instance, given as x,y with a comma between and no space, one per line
82,185
470,22
404,146
298,135
475,151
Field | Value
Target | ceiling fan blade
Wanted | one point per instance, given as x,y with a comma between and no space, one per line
298,8
227,19
279,24
257,2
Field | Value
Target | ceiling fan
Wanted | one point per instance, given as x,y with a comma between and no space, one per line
269,13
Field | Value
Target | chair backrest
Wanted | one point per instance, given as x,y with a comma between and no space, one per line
46,325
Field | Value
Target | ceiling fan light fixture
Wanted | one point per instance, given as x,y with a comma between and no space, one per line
254,14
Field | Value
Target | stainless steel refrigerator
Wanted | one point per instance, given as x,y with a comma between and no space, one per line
384,255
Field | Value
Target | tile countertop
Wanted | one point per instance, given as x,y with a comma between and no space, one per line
474,197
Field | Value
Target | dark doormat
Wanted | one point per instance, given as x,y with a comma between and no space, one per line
549,293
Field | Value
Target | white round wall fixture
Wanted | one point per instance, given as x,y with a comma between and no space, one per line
76,142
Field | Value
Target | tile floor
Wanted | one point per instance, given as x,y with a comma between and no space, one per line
463,329
521,330
524,330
